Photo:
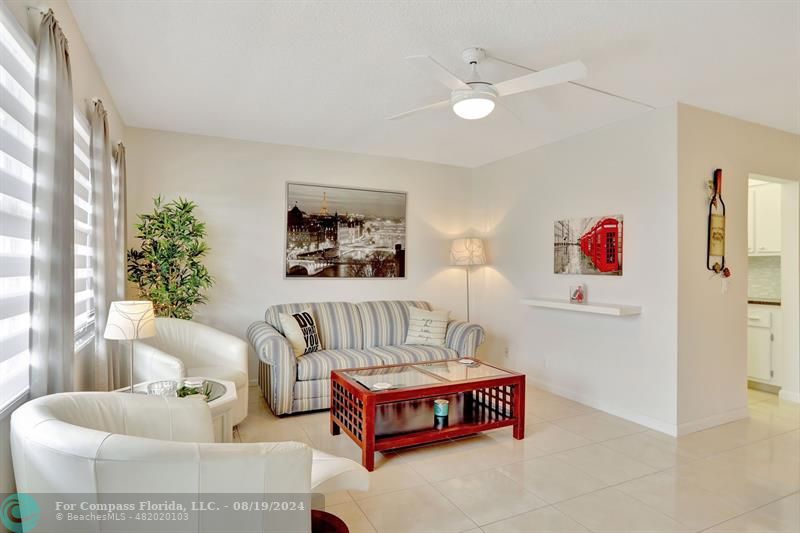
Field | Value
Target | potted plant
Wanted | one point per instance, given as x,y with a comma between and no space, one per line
168,268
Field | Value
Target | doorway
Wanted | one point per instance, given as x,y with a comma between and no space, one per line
773,310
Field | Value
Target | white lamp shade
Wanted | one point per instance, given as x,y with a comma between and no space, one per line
129,320
467,252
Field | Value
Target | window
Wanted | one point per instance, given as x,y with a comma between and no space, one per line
84,296
17,108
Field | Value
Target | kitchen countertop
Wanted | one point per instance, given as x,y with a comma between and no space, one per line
763,302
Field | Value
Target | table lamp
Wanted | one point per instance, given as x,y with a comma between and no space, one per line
128,321
467,252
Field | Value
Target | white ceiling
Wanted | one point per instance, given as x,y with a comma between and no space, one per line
326,74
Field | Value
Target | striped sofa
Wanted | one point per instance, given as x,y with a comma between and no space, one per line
352,335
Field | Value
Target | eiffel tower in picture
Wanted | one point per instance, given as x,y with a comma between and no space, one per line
323,211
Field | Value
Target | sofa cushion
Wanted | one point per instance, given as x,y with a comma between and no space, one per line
393,355
318,365
385,323
219,372
338,323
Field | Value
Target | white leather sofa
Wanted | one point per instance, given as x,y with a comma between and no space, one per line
112,442
184,348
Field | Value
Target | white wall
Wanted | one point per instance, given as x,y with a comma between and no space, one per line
240,189
712,325
626,366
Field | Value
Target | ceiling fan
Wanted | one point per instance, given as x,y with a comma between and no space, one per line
475,98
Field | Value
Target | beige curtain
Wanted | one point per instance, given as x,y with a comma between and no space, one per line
119,171
105,261
121,217
52,333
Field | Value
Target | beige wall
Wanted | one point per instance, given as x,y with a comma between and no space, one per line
712,324
240,189
628,365
788,363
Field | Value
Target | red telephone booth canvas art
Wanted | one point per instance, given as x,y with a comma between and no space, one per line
590,245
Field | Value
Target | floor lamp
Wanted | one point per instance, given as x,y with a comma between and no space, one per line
128,321
467,253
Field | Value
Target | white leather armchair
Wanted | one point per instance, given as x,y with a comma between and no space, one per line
184,348
106,442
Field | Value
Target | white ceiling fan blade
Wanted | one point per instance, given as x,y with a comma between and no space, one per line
434,69
574,70
443,103
510,113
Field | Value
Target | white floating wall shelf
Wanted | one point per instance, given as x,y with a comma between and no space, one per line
591,307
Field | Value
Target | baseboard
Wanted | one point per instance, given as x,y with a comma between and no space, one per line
713,421
638,418
763,387
789,396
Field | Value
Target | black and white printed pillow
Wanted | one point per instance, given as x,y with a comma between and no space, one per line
301,331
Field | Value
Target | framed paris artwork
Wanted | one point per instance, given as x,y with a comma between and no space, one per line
344,232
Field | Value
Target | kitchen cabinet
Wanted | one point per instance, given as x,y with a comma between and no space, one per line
759,354
763,343
764,219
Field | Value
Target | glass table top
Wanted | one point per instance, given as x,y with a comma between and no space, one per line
213,390
420,374
455,371
397,377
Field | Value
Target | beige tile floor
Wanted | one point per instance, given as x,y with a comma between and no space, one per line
577,470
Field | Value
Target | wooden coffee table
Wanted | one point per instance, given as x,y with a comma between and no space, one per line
481,397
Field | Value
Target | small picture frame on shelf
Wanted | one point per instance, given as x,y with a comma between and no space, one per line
577,293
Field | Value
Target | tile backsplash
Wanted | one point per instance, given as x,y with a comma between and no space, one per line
764,278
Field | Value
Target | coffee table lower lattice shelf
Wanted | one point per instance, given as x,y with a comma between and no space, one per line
404,416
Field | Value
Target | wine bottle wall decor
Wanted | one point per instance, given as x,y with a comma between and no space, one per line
715,250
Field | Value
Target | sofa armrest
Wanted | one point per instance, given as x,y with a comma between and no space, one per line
150,363
464,337
270,345
273,349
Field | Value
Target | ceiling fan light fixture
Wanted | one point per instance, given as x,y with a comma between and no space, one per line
474,103
475,99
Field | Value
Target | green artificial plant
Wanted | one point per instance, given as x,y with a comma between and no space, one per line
168,269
